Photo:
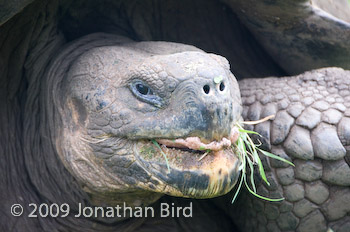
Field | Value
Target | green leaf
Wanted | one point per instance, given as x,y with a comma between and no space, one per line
248,131
262,172
259,196
238,190
166,159
268,154
247,152
251,174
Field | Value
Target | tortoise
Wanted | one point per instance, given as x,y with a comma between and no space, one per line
81,113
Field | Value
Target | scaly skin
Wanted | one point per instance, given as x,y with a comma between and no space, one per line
108,123
311,129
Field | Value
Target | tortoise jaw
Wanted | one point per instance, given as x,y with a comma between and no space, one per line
189,175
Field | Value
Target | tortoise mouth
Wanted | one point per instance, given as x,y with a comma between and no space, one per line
193,146
196,144
196,169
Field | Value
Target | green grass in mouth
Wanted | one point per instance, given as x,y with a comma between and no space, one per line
166,159
247,152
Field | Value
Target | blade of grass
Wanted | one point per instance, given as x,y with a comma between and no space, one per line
256,158
248,155
238,190
166,159
259,196
262,172
248,131
268,154
204,155
250,163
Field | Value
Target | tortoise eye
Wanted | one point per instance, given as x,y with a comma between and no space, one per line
144,93
144,89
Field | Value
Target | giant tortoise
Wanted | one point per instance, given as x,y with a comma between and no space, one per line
98,129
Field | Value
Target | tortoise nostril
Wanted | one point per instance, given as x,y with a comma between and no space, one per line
222,86
206,89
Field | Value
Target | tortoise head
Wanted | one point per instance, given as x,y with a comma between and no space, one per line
145,119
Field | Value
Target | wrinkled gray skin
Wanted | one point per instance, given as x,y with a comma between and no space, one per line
312,129
105,121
